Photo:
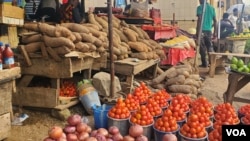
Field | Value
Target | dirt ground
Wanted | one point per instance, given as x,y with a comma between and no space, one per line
35,128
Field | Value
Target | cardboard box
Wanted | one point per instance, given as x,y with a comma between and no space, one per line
10,11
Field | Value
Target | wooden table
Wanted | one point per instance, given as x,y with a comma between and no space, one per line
130,68
216,60
236,81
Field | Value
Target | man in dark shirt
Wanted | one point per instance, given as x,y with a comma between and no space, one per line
226,26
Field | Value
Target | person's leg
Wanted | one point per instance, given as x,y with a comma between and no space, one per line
203,52
208,43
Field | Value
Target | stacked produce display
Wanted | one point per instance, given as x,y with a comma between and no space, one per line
179,79
157,116
238,65
182,42
61,39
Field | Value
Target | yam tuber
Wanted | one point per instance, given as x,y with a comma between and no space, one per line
155,44
195,77
33,47
138,46
186,89
159,86
131,35
92,47
93,26
101,49
134,28
58,41
162,76
122,36
88,38
101,21
124,24
140,55
145,35
180,79
31,26
62,50
185,73
91,18
78,37
53,54
82,47
47,29
94,32
31,38
97,42
74,27
44,51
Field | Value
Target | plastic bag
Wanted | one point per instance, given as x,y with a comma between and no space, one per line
139,9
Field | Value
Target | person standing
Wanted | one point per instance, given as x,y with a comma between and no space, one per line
234,17
209,22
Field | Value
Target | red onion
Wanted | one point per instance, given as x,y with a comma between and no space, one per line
141,138
117,137
128,138
69,129
91,139
81,127
103,131
169,137
71,137
74,119
113,130
48,139
100,137
89,129
93,133
82,136
55,132
135,130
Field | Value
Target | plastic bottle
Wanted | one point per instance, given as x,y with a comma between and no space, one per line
8,56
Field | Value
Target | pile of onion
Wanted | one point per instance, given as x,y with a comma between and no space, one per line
112,134
75,130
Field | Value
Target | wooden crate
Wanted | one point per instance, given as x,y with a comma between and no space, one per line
40,97
5,97
5,126
100,62
52,69
11,14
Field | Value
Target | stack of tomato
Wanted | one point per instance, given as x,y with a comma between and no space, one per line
193,128
178,113
153,107
226,113
202,106
215,135
243,110
67,89
142,93
131,103
119,111
166,123
246,119
161,98
142,116
181,101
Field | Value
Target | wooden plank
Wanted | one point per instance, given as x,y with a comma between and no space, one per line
79,64
25,80
36,97
44,52
10,74
62,107
53,54
142,66
5,97
50,68
5,126
230,54
26,56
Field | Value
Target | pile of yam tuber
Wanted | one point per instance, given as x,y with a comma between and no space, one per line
58,40
179,79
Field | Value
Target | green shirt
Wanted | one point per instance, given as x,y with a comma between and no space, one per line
208,17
